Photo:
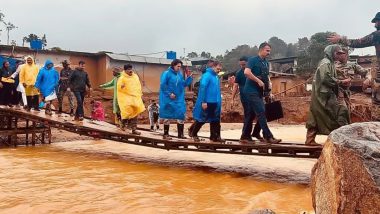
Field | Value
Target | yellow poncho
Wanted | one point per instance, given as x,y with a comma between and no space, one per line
129,96
28,75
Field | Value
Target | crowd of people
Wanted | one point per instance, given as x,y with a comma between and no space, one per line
329,109
28,86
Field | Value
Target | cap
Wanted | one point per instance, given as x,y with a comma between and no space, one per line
377,17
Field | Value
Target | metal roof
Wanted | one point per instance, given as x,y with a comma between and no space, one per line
143,59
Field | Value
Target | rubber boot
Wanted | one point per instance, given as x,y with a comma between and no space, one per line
166,132
180,128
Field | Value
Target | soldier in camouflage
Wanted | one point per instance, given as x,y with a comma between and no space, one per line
372,39
347,70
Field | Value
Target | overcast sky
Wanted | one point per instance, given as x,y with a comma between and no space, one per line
146,26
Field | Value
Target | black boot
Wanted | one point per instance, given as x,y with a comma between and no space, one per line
197,126
166,133
158,127
152,128
180,128
71,112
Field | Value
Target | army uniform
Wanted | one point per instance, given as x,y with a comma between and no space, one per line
344,71
372,39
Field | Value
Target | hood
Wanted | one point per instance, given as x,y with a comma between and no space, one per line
98,104
329,51
47,63
29,57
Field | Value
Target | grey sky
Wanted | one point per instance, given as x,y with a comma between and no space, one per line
146,26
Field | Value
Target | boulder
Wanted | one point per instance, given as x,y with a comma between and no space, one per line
346,177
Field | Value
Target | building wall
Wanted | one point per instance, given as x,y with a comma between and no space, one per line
282,83
57,58
149,73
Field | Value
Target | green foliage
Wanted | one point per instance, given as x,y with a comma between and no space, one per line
192,55
279,47
32,37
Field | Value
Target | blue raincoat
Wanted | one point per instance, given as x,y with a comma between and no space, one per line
209,92
173,82
47,79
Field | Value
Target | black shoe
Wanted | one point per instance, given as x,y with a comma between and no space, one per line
218,140
151,128
157,127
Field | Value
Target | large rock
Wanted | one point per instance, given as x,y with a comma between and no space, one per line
346,178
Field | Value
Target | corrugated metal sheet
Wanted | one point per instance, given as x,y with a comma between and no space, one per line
142,59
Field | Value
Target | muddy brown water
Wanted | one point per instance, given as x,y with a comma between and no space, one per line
100,177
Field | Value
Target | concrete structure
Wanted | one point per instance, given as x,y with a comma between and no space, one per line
99,65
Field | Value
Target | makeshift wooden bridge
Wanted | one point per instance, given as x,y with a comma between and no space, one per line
35,128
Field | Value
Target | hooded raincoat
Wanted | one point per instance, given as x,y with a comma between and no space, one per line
209,92
47,79
173,82
326,114
113,85
129,95
97,112
28,75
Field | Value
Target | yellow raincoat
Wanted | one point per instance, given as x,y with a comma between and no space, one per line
28,75
129,95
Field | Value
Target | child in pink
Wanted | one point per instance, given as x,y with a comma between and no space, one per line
97,112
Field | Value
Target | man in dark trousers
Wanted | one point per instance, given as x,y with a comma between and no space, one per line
240,80
63,85
256,86
78,82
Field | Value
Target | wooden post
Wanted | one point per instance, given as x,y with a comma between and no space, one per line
10,128
49,132
15,136
34,133
27,135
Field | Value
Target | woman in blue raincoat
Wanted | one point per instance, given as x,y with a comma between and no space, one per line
172,97
47,81
209,102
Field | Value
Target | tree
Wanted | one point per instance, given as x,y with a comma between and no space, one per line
310,52
206,55
231,58
32,37
9,26
192,55
279,47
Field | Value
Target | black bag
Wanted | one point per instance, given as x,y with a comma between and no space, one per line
273,111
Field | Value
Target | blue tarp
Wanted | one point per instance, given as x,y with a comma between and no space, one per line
12,61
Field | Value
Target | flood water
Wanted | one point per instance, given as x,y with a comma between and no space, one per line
80,177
